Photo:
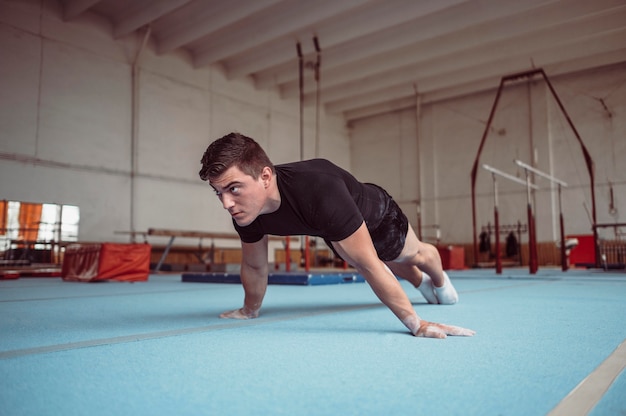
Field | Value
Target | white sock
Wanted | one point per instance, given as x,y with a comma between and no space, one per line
427,289
447,293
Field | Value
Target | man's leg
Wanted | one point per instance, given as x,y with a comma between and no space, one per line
420,264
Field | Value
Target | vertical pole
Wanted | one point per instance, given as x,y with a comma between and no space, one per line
307,254
474,172
519,243
134,138
287,255
588,162
301,87
532,242
532,238
564,265
318,81
496,218
418,116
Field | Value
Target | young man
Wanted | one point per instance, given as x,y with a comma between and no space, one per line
360,222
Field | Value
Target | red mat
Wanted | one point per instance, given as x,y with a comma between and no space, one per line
106,261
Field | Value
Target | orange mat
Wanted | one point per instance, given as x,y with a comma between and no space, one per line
106,261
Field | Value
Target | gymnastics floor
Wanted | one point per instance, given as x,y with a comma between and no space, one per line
550,343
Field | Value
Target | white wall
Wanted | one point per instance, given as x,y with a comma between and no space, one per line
66,125
528,123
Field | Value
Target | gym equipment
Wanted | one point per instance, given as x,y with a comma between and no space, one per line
588,160
531,235
294,278
527,168
106,261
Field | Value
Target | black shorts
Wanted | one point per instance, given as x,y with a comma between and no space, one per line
390,234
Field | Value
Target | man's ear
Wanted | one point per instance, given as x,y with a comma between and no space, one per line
266,176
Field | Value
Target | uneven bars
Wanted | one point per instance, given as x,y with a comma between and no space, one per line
540,173
509,177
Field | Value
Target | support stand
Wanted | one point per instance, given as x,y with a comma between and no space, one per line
532,257
560,183
585,152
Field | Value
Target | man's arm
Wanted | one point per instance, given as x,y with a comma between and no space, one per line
359,251
254,271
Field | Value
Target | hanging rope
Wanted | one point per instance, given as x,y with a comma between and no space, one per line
301,85
318,81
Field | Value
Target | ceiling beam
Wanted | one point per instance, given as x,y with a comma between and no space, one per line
293,16
576,51
562,39
372,18
203,17
487,84
74,8
450,20
551,25
142,16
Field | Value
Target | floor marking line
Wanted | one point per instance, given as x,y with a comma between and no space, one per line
184,331
175,332
100,295
588,393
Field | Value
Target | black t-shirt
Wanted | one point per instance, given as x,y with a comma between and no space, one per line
319,199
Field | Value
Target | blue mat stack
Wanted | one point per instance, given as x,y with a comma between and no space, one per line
282,278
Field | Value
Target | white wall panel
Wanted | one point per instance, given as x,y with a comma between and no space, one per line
173,127
237,115
19,83
85,108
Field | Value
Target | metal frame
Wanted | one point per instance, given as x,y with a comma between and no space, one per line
588,160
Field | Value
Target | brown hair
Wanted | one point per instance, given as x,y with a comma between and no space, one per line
234,149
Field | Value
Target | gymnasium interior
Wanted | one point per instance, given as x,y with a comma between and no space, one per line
498,126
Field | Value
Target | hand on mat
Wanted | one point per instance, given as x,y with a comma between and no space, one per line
435,330
242,313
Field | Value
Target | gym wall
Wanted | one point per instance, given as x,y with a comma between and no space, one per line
432,162
66,125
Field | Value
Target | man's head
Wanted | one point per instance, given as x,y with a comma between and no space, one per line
237,150
242,176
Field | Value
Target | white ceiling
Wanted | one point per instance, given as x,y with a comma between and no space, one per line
375,54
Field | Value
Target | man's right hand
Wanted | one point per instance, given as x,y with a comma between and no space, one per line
242,313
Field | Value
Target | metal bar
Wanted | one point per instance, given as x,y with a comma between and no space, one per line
474,173
161,232
540,173
508,176
564,262
496,216
533,264
301,97
588,161
605,225
165,253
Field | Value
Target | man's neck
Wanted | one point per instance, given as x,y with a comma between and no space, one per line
273,196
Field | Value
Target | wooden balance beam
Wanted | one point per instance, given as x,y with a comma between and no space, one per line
172,234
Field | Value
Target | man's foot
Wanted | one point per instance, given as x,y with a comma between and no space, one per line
445,295
428,289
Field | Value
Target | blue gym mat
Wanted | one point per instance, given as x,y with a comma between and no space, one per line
159,348
284,278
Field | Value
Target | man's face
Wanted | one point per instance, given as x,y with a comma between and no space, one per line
243,196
